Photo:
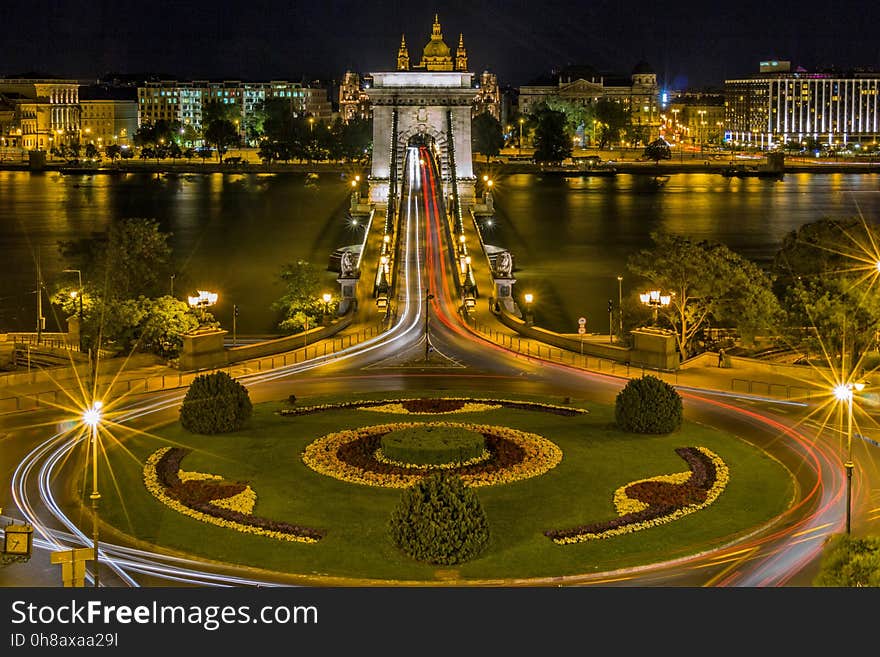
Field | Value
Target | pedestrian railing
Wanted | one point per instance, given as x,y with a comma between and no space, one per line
120,385
535,349
768,389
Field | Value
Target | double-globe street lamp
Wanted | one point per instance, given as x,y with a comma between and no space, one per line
844,392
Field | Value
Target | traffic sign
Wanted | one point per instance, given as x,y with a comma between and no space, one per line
582,330
582,320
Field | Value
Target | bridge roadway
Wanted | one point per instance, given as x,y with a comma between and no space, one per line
782,553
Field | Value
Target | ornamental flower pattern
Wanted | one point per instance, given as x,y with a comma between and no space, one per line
349,455
658,500
194,499
408,404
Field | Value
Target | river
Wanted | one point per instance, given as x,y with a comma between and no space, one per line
571,237
231,233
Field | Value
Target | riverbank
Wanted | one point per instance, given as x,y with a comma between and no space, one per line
177,167
670,167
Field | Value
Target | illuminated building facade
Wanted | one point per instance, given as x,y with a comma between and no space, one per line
185,101
354,103
46,113
778,106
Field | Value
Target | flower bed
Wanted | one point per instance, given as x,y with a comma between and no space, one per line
350,455
213,500
658,500
436,406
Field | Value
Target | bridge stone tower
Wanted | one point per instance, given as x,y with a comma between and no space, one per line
429,103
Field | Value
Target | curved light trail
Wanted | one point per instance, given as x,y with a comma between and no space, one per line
770,557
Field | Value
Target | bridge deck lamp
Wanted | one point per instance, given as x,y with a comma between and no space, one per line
91,417
844,392
529,297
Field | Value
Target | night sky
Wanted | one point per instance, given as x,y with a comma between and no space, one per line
688,43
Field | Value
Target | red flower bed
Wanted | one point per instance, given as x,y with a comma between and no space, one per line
197,495
433,405
662,498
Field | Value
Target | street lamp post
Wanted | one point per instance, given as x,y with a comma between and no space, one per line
428,298
326,299
79,296
655,300
201,302
620,307
92,418
845,393
529,297
521,121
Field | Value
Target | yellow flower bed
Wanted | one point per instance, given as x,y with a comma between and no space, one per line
541,455
151,480
722,477
380,456
183,475
398,409
244,502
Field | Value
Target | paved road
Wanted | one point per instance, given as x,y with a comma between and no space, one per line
457,359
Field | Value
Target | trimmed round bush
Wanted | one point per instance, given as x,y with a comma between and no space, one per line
215,403
432,445
648,405
439,520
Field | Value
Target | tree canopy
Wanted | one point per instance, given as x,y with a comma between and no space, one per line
612,118
826,276
706,281
301,305
552,142
487,135
658,150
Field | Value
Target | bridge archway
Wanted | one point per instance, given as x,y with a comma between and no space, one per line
421,105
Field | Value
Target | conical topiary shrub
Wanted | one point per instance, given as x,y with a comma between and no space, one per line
648,405
439,520
215,403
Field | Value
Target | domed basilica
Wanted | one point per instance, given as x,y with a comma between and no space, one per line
436,56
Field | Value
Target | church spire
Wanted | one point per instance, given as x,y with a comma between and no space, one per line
435,32
461,55
402,55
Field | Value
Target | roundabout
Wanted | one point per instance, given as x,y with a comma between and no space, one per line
255,497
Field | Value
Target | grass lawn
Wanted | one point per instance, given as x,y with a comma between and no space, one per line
597,459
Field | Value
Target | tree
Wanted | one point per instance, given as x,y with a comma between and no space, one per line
850,561
130,259
658,150
92,152
215,403
221,134
577,115
300,304
706,280
357,139
113,151
825,270
648,405
487,135
440,520
612,118
552,143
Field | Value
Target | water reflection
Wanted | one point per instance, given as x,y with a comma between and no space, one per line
230,232
572,237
